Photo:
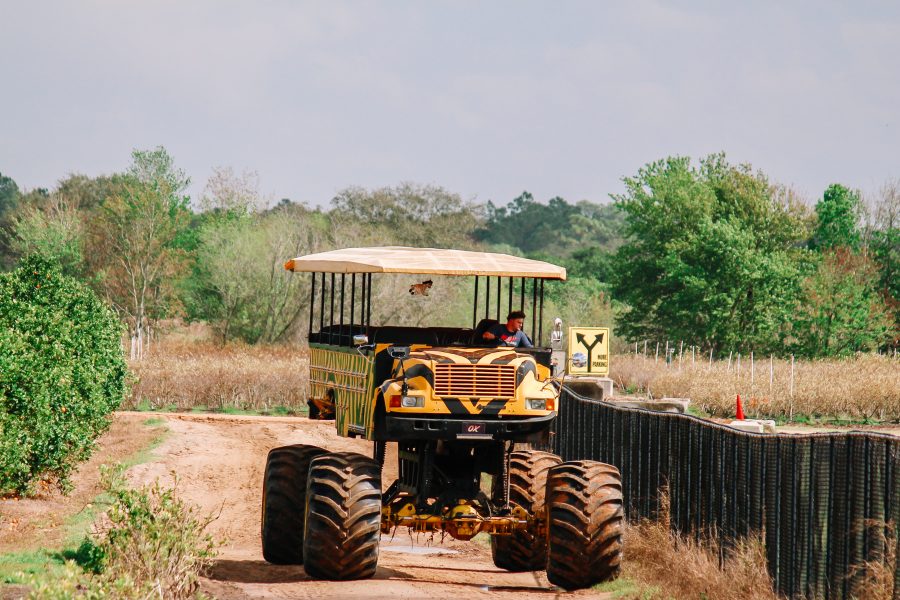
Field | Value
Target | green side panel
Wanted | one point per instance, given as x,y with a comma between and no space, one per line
349,375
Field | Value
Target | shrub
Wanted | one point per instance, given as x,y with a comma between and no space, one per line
61,373
152,545
154,539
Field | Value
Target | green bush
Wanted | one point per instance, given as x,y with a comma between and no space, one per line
152,545
62,372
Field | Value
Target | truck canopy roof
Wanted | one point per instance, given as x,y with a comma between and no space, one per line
423,261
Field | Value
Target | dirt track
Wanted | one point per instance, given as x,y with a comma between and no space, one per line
219,460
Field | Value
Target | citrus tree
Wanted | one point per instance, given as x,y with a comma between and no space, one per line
61,373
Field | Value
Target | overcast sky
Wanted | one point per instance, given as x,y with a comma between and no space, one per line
484,98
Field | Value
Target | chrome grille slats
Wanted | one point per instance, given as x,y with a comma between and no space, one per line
474,380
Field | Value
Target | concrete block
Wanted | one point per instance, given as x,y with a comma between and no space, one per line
754,425
671,405
596,388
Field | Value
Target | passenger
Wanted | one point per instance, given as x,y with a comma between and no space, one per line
510,334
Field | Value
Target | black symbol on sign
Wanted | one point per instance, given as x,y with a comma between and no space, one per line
598,339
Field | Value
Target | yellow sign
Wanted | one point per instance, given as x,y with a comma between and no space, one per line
588,351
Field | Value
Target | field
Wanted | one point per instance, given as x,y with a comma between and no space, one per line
186,375
861,389
205,376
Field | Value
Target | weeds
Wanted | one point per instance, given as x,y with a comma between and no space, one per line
865,389
151,545
236,377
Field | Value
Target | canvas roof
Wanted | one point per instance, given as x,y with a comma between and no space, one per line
423,261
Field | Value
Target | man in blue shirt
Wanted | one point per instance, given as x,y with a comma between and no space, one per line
510,334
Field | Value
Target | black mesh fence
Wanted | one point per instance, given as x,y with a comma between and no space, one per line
824,502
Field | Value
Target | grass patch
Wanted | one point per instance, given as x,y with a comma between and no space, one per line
862,390
16,567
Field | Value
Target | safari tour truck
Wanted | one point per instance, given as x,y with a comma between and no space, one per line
462,412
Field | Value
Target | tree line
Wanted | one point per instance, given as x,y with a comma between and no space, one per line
710,252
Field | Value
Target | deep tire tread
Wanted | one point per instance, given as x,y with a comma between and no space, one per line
284,496
524,550
343,517
585,520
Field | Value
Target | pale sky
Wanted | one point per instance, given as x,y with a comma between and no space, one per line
484,98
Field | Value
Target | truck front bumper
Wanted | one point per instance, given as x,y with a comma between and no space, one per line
533,429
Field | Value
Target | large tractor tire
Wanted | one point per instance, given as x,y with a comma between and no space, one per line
524,550
343,517
585,519
283,499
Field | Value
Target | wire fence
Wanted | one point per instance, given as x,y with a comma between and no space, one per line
826,503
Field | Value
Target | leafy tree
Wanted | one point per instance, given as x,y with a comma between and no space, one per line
710,255
884,245
555,229
837,215
410,214
840,311
55,231
133,242
256,300
61,373
9,194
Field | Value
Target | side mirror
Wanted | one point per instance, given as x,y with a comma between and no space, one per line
398,351
360,339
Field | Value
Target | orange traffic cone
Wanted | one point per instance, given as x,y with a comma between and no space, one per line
739,409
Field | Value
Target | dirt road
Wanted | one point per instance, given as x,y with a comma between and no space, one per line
219,460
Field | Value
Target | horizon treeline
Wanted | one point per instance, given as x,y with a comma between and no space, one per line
709,253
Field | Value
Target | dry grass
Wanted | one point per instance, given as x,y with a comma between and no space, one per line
878,576
862,388
185,375
665,565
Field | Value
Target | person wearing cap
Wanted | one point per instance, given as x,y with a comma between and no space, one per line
509,334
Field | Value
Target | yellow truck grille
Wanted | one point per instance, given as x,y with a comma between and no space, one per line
482,381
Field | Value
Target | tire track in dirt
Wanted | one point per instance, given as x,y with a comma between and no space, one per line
219,462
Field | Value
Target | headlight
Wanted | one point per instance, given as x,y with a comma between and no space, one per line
536,403
412,401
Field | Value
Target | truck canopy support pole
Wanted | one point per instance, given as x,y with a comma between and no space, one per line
487,297
541,318
499,294
322,307
352,302
511,284
534,305
312,305
522,294
362,301
369,304
341,330
331,319
475,305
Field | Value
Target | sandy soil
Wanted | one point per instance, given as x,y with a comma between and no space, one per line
219,461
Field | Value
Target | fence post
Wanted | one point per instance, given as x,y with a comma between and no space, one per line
791,412
667,354
657,352
680,353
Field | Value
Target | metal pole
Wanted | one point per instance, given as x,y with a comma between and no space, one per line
341,329
522,294
322,307
352,301
534,305
487,297
541,317
499,294
510,307
312,305
362,308
475,304
369,304
331,320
